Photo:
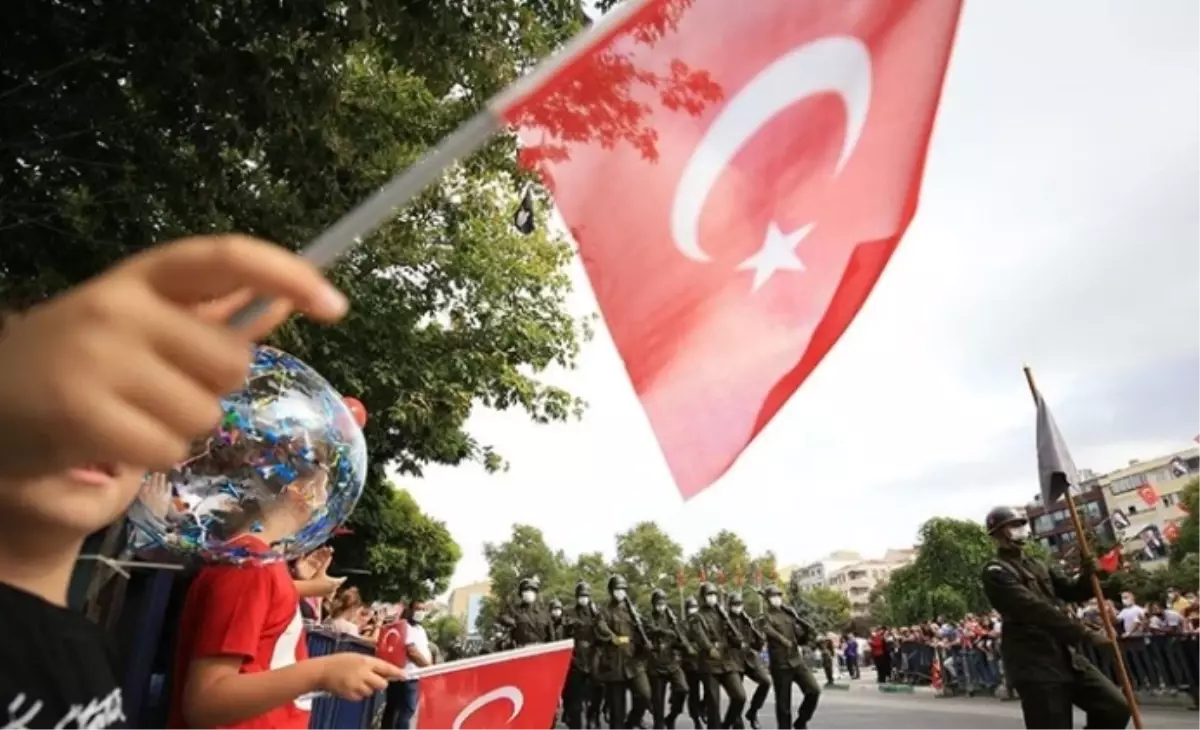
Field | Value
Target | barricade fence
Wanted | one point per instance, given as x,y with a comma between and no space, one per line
1156,664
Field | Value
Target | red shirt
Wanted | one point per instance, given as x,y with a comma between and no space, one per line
252,613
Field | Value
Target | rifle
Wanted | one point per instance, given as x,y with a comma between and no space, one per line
637,623
802,626
730,626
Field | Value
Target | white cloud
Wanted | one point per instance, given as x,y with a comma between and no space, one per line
1058,225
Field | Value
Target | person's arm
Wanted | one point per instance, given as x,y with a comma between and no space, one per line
418,657
217,693
319,587
1073,590
1010,596
768,628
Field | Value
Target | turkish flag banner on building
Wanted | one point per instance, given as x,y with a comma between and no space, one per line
736,176
511,689
1110,561
1148,494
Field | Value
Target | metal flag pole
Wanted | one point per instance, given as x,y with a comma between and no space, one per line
349,231
1085,554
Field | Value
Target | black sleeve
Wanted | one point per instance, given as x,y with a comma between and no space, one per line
1074,590
1011,597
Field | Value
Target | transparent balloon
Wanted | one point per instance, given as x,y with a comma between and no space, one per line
272,482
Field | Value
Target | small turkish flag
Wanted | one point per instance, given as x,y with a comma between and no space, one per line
1170,532
391,645
511,689
736,176
1148,494
1110,561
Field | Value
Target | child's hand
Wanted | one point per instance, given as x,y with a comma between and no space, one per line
129,366
156,495
355,677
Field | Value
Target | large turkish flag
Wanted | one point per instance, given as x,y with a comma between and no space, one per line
511,689
737,175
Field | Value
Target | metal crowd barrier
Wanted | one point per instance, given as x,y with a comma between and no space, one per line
1158,665
328,712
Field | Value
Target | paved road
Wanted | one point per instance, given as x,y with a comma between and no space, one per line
863,708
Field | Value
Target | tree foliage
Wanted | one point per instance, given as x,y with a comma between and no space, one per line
644,555
830,610
944,579
1188,541
410,556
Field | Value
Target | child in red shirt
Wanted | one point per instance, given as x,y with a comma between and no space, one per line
242,659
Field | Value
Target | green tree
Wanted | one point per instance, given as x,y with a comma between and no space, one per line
1187,542
648,558
445,631
829,609
951,557
409,555
524,555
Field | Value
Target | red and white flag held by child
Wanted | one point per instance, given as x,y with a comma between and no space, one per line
511,689
737,176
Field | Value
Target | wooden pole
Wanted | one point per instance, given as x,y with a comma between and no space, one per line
1085,554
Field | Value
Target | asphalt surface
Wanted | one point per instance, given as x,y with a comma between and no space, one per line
866,707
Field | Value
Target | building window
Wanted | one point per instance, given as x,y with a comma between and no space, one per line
1127,484
1043,524
1132,509
1092,509
1170,499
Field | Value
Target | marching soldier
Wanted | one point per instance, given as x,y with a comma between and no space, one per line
664,670
527,622
618,627
748,662
580,688
709,630
557,629
691,669
786,633
1040,640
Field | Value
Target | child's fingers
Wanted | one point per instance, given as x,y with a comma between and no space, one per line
201,269
220,310
212,355
129,435
386,669
175,400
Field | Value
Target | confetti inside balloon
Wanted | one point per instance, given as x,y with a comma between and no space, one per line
281,472
357,409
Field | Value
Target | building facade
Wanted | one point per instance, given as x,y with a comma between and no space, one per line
465,603
856,581
1147,495
812,575
1052,526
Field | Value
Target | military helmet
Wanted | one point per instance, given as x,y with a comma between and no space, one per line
772,590
1001,517
658,595
691,602
527,584
582,589
707,588
616,582
555,603
735,599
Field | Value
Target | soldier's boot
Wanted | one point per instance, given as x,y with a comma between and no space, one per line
752,720
800,724
697,722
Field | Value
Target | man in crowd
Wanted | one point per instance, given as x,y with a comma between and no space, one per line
663,668
709,630
746,657
527,622
618,665
786,637
691,668
580,689
1132,617
1041,637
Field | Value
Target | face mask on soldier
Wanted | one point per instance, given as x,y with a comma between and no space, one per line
660,607
618,594
691,610
556,613
1018,533
528,596
776,601
736,609
711,599
583,600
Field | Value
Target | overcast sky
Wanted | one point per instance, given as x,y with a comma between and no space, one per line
1058,226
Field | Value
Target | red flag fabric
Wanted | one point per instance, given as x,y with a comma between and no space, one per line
391,644
1148,494
721,576
511,689
1170,532
736,176
1110,561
